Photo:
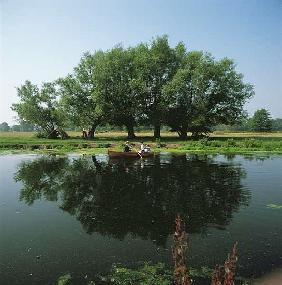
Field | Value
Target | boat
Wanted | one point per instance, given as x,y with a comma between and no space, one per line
131,154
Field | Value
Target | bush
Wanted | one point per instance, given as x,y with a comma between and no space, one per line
203,142
230,143
252,143
146,275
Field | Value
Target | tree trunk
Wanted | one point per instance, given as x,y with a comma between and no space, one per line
197,135
157,131
84,134
130,131
52,133
91,132
183,134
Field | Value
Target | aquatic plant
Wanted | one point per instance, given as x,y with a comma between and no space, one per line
225,275
222,275
65,279
181,276
274,206
146,275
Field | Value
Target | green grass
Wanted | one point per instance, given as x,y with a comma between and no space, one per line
217,143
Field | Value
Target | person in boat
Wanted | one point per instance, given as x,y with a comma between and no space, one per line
127,147
142,147
147,149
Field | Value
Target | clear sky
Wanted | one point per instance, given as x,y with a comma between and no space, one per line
42,40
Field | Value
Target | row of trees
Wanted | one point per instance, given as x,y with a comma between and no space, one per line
22,127
260,122
149,84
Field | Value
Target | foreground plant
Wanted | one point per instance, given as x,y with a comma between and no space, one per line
158,274
222,275
181,276
146,275
225,275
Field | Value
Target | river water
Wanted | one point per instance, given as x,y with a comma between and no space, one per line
81,215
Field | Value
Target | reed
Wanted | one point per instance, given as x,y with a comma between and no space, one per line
222,274
225,275
181,276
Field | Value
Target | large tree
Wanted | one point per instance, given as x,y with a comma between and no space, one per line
261,121
78,94
156,64
115,90
149,84
203,93
40,107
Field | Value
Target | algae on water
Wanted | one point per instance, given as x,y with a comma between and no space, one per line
65,279
274,206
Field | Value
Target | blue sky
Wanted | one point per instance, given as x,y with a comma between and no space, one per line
42,40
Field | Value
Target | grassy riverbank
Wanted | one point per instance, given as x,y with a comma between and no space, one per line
218,142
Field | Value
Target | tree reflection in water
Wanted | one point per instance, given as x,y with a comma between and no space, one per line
140,197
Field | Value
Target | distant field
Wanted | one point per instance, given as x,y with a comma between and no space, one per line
218,142
121,134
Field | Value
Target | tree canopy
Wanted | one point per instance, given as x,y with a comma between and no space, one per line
151,84
204,93
40,107
261,121
77,93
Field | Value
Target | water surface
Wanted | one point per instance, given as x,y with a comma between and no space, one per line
83,214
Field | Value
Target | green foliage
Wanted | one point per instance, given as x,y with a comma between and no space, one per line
261,121
251,143
277,124
116,96
274,206
145,275
65,279
39,107
4,127
150,84
230,143
158,65
158,142
77,93
23,127
204,93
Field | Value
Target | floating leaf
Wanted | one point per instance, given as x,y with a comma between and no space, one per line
65,279
274,206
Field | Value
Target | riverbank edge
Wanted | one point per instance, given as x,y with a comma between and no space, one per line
211,145
94,151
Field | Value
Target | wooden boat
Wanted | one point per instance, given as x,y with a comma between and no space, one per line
131,154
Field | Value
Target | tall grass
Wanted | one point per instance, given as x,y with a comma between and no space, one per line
222,275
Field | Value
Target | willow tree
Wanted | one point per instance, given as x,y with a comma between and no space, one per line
115,90
40,107
77,92
156,64
203,93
